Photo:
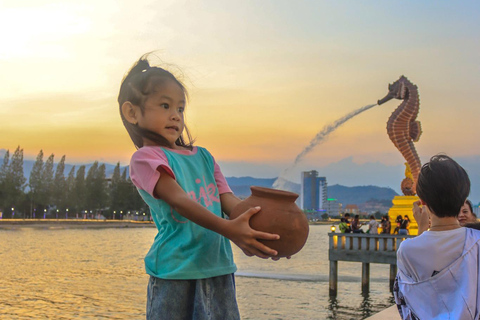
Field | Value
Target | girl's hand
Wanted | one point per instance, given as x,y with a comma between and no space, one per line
277,258
240,232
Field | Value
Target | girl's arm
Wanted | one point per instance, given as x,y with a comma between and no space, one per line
238,230
229,201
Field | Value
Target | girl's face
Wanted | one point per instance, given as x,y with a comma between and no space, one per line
163,112
466,216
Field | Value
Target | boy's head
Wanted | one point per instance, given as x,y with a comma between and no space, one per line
443,185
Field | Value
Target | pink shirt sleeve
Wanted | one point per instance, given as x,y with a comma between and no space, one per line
144,167
144,171
222,184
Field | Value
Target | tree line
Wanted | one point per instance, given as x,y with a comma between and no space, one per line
48,193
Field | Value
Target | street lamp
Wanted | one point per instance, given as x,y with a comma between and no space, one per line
332,228
56,215
13,212
44,213
66,213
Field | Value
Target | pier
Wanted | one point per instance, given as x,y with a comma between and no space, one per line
364,248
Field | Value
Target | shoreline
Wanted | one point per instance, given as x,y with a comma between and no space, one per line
14,224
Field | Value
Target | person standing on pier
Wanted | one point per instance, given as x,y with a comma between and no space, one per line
404,224
386,225
344,226
438,271
356,225
372,225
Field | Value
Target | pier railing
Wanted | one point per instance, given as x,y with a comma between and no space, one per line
364,248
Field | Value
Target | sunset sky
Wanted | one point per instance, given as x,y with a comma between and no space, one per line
263,76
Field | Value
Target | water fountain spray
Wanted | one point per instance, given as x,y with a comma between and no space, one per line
321,136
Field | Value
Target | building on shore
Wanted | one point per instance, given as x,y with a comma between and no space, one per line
352,209
334,208
313,192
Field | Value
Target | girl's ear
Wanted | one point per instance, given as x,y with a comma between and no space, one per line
130,112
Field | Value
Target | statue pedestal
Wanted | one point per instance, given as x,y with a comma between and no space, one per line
403,205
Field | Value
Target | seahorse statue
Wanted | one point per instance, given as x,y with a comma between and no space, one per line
403,129
407,183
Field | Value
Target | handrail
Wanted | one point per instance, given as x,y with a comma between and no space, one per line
365,248
342,245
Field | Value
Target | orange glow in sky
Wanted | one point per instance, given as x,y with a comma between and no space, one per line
264,77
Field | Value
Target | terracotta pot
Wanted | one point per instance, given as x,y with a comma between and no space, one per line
280,215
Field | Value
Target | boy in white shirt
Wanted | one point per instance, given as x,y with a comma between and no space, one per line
438,273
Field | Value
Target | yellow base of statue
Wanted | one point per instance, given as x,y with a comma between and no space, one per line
403,205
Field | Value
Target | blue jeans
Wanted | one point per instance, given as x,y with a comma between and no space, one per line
403,232
202,299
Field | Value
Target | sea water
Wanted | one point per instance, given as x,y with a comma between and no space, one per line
99,273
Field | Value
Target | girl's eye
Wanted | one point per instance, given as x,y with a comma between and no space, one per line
165,105
181,109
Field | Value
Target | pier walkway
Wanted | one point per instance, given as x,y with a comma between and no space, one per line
364,248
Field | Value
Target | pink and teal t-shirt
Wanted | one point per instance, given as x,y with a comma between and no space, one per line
183,249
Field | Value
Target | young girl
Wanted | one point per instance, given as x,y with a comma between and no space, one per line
190,262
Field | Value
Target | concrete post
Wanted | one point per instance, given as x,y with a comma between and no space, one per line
333,278
365,277
393,274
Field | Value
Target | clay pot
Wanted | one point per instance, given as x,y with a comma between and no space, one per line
279,215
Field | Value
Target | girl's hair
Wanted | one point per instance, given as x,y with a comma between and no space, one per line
141,81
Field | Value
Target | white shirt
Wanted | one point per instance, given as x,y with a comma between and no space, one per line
431,252
373,227
453,292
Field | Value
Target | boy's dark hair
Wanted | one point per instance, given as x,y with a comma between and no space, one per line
140,81
444,186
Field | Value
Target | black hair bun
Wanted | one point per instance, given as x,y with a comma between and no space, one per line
142,65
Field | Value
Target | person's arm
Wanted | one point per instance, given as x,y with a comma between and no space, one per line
421,216
238,230
229,201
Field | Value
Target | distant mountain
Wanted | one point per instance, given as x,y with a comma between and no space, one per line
345,172
241,186
360,194
345,195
